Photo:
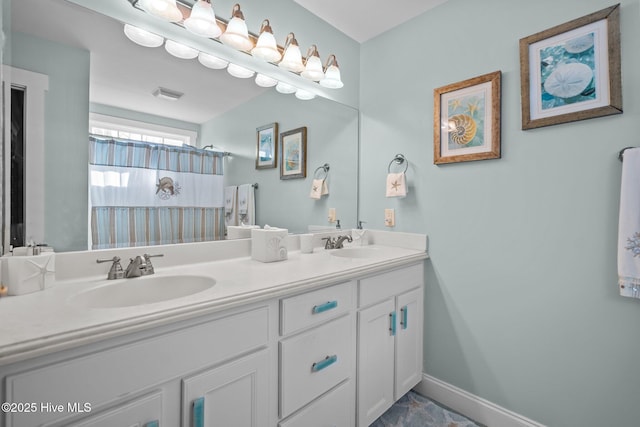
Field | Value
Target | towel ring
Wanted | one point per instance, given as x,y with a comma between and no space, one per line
621,153
322,169
399,159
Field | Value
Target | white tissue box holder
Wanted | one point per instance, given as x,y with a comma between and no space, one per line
269,245
27,274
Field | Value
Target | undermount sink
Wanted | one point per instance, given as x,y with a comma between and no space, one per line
142,290
355,252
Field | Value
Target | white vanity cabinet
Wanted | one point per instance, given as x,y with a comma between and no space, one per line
221,362
390,325
317,358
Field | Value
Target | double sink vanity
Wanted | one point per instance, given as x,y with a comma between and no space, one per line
215,338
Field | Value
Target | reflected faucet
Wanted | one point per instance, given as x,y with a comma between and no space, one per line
340,240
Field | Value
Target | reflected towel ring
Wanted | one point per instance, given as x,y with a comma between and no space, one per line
323,169
399,159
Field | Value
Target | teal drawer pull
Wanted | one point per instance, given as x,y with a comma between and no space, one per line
154,423
325,363
405,315
392,319
324,307
198,412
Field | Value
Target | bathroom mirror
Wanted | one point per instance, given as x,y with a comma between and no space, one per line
227,118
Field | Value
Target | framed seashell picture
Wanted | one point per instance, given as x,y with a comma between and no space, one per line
466,120
572,71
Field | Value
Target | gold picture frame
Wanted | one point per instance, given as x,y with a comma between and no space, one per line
466,120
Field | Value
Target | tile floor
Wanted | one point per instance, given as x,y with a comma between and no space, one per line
414,410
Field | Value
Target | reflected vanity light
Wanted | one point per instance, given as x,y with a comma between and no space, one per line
202,21
304,95
211,61
313,69
180,50
285,88
163,9
265,81
292,58
266,47
237,34
332,78
239,72
142,37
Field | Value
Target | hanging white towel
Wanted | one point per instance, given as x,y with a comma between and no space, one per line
396,185
629,226
319,188
229,199
246,205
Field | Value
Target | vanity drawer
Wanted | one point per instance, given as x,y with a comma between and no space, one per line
314,362
382,286
333,409
314,307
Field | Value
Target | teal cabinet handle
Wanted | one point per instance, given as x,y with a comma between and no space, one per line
154,423
405,316
392,328
325,363
324,307
198,412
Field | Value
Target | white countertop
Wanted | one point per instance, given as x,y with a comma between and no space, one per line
50,320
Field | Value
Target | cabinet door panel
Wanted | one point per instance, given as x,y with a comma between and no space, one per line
139,412
234,395
409,341
375,361
335,409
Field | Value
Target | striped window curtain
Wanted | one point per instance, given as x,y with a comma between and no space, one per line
144,194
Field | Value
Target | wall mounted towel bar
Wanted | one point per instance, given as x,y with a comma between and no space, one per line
399,159
324,169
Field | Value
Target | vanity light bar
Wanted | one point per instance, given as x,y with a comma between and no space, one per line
310,68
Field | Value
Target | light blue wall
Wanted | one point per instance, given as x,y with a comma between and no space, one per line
332,137
66,148
521,305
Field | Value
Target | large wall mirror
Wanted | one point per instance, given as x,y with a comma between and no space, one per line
91,67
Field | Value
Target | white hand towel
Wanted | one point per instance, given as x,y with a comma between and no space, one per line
319,188
243,195
396,185
229,199
629,226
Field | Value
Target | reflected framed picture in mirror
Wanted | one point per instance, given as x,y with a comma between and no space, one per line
293,154
267,146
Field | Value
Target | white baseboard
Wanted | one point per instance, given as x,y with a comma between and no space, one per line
470,405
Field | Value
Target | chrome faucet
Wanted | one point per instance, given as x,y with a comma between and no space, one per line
336,243
340,240
140,266
115,272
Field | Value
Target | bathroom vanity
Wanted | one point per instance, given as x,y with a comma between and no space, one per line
331,338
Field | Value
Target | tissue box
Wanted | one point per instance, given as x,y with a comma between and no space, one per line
26,274
240,231
269,244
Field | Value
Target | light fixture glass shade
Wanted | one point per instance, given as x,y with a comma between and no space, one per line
142,37
313,69
163,9
240,72
292,58
332,78
179,50
237,35
211,61
285,88
265,81
304,95
202,21
266,46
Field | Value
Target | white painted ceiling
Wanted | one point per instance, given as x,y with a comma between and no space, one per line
364,19
124,75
